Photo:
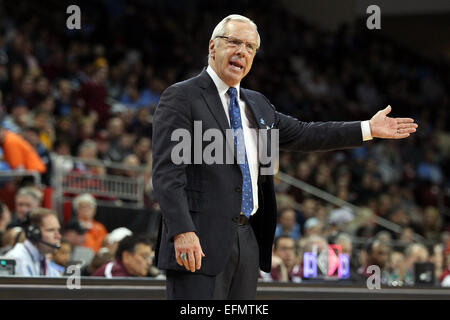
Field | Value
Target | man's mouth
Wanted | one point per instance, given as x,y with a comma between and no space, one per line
236,65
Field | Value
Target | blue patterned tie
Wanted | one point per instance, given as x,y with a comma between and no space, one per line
239,144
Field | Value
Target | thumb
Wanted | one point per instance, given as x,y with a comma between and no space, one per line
387,110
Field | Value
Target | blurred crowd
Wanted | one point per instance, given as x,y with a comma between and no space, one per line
91,94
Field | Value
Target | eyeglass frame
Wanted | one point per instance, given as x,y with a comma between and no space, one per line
236,40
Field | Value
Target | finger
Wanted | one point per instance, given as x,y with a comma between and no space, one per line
406,130
191,259
401,135
404,120
198,260
186,262
177,256
407,125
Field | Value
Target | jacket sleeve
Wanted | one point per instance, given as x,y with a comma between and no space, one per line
295,135
169,179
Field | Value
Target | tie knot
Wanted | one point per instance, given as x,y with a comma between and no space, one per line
232,92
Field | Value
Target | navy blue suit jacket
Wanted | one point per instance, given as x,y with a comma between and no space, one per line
206,198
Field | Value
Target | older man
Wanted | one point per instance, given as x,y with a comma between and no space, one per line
26,199
219,218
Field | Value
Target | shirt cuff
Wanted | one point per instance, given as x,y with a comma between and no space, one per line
365,128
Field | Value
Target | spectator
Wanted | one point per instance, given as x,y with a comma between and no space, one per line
113,238
5,218
133,258
444,279
396,269
414,253
26,199
287,267
19,116
432,224
42,238
31,134
92,94
18,153
74,234
85,207
61,257
377,254
287,225
313,226
10,238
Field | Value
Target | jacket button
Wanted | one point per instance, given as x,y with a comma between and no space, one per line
238,189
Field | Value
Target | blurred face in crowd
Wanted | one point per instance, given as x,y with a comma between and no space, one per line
308,208
287,219
50,230
85,211
74,238
138,263
285,249
346,247
230,61
62,255
115,128
417,254
25,203
379,254
65,89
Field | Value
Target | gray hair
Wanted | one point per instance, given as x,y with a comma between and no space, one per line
85,197
87,144
31,192
220,29
343,237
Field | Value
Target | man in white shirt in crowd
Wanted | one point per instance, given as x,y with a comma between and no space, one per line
43,236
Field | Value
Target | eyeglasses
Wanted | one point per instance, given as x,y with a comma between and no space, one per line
236,43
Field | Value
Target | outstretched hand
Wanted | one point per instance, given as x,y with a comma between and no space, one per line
381,126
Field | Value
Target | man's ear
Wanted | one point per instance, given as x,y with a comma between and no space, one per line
212,49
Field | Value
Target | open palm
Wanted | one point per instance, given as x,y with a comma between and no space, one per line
382,126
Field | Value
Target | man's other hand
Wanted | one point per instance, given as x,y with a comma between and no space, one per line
189,244
381,126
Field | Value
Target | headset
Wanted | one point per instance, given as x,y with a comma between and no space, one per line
33,232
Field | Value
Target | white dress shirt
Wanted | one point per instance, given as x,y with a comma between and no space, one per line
251,136
28,261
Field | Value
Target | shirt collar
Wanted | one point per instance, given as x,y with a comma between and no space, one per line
221,86
34,252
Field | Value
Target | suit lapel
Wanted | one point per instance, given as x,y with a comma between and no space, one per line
212,99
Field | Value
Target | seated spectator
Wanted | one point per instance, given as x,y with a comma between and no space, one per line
287,225
100,258
114,237
444,279
74,233
312,226
414,253
377,254
18,117
18,153
133,258
85,207
396,269
287,267
26,199
31,134
42,237
10,238
62,256
5,218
